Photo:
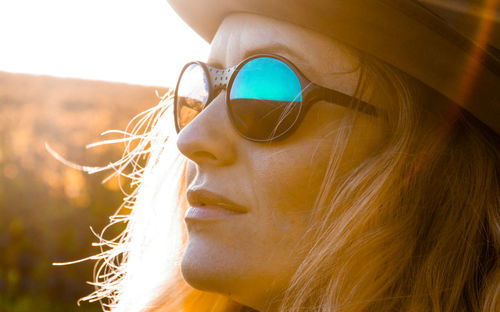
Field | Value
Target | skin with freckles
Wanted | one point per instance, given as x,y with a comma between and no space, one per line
252,256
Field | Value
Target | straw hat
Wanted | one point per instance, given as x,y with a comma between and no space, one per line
452,46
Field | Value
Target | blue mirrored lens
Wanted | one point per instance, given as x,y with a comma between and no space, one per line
266,78
265,99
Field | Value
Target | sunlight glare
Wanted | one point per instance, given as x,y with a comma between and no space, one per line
133,41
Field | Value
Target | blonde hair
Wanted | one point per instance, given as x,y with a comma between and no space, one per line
414,227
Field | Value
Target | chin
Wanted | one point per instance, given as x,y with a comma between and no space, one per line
235,272
208,268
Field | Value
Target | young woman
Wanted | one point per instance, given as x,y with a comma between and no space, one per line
326,166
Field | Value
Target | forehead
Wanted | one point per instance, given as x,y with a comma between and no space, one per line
322,59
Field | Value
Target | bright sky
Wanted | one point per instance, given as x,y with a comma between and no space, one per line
132,41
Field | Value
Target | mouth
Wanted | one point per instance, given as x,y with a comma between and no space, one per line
207,205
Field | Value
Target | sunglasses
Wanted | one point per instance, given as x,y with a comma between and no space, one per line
267,96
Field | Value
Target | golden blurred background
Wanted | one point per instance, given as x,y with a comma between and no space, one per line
46,207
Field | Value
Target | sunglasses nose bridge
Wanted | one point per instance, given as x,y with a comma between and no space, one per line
219,78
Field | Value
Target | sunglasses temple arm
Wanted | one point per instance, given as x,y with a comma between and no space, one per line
316,93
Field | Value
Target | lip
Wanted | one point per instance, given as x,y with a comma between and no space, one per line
207,205
209,213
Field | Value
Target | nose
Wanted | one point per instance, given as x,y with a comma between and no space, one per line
209,139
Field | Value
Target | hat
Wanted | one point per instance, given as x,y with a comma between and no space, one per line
452,46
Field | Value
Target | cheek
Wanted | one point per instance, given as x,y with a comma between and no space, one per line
289,174
367,137
289,179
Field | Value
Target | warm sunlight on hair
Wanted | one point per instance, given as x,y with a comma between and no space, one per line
113,40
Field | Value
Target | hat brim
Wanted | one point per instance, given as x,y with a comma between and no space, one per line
402,33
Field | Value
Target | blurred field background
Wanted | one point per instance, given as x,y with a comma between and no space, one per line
46,208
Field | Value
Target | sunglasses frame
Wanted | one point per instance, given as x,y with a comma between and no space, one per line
219,79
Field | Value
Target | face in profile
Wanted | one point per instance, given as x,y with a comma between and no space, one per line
252,201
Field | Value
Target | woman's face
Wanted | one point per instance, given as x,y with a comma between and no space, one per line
251,255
